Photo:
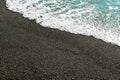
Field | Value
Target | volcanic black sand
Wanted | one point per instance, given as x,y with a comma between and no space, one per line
30,52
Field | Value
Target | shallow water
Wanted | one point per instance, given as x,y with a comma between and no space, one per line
99,18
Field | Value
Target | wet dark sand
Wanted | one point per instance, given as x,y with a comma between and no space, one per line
31,52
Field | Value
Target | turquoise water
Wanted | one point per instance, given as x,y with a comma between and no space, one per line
98,18
104,11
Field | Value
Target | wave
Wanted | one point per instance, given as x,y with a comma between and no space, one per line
98,18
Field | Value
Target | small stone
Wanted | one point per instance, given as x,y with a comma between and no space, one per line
72,78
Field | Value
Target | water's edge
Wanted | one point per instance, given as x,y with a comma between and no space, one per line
88,29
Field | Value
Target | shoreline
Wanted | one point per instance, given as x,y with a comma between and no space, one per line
29,51
87,28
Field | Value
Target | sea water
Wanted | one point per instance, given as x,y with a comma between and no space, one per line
98,18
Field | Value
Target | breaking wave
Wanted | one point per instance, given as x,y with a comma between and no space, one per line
98,18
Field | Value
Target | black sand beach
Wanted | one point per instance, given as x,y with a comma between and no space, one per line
29,51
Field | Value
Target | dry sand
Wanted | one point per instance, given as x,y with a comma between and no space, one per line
29,51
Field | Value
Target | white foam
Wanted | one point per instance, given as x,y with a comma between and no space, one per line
63,21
